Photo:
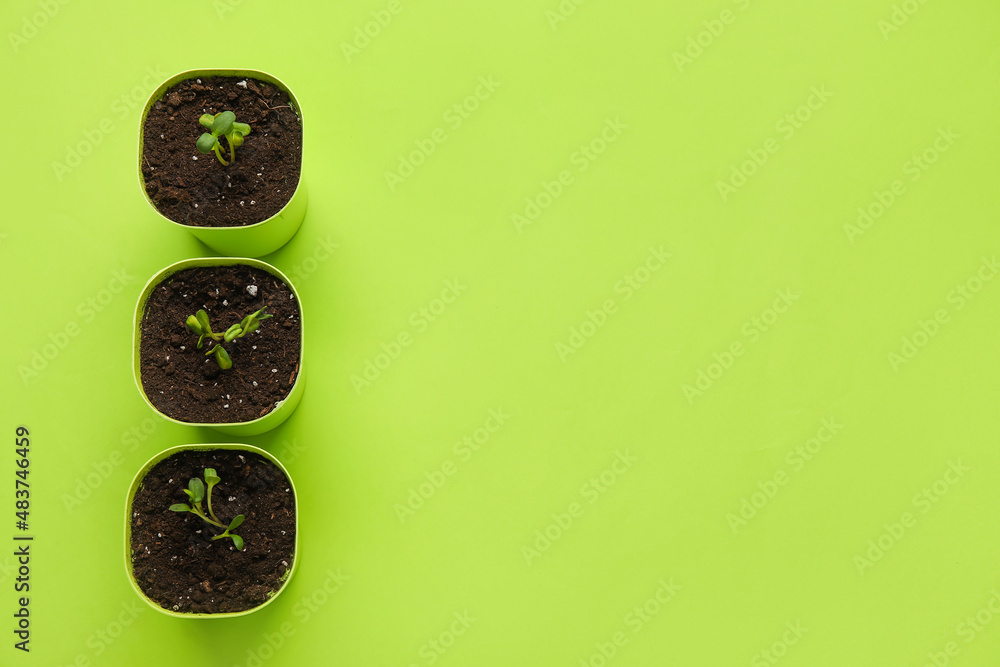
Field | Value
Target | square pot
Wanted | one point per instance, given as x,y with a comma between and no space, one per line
253,240
137,483
284,407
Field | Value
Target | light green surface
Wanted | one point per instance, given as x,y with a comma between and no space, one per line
373,252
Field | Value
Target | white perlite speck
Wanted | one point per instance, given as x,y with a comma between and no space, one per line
225,302
252,290
241,84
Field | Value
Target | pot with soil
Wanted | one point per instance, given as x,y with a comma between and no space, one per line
218,342
244,196
211,531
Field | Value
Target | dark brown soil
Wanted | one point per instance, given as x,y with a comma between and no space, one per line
192,188
185,384
174,559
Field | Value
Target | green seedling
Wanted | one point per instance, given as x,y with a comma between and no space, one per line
199,324
222,125
196,492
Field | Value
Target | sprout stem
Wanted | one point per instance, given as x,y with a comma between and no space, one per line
197,510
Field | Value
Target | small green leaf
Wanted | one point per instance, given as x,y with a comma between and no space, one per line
201,338
235,139
189,493
252,321
180,507
242,128
238,541
206,142
222,358
211,477
197,488
203,319
235,523
232,332
193,324
207,119
223,123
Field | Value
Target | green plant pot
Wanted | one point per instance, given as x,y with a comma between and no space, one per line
254,240
284,409
134,487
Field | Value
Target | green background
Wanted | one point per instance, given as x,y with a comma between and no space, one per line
357,452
